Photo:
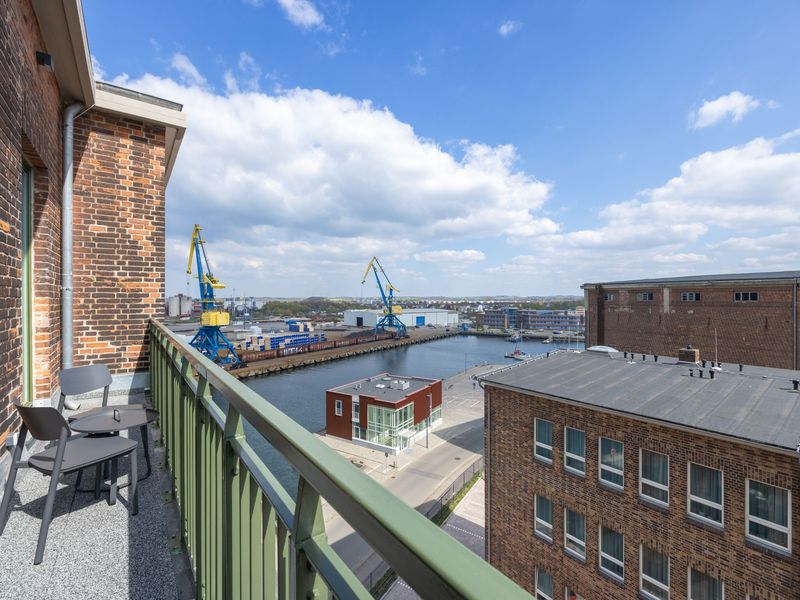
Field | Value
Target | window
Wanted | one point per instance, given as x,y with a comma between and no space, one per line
653,574
612,552
544,517
745,296
705,493
570,594
338,408
705,587
645,296
544,585
654,476
356,410
612,462
358,433
769,514
690,296
608,297
575,533
575,450
543,439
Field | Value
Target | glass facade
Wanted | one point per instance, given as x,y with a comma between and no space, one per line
385,425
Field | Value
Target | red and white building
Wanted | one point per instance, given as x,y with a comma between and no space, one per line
384,412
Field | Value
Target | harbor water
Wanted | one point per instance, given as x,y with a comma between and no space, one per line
300,393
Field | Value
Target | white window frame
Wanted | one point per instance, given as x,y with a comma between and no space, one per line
608,297
643,577
690,297
650,482
740,297
356,404
573,539
536,583
602,555
338,407
574,456
689,585
769,524
566,594
690,497
538,520
645,296
613,470
538,444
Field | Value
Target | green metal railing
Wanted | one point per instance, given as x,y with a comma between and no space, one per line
247,537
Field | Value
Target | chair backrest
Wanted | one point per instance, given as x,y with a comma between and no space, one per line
80,380
43,422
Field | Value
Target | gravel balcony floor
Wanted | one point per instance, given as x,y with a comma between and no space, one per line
95,550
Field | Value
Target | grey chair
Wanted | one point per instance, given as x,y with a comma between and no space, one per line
80,380
66,456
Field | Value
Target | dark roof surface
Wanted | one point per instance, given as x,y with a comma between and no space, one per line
758,405
707,278
380,387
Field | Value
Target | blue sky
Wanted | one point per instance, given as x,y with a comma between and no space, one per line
477,148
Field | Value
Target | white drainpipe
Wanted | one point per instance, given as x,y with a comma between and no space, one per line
66,244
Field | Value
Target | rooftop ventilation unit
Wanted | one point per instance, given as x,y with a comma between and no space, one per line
400,384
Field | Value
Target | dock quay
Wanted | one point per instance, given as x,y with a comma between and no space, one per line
531,335
292,361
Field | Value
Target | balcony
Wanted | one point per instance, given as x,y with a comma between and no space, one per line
243,534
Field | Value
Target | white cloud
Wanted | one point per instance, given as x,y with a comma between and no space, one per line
418,68
99,73
681,257
249,78
302,13
734,106
450,258
330,180
508,27
186,70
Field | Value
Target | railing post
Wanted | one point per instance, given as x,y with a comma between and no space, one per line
309,525
230,503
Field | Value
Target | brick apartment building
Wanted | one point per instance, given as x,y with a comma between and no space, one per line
124,145
385,412
509,317
754,315
610,479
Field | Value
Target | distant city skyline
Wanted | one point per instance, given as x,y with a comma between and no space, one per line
504,148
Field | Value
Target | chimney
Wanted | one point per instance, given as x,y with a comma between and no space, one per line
689,354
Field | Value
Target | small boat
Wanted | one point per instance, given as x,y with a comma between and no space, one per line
518,354
548,341
514,337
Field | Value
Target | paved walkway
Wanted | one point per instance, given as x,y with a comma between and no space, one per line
94,550
424,473
466,524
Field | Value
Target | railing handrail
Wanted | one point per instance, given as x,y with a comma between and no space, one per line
430,561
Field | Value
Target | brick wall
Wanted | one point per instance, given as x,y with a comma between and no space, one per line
753,333
30,122
515,478
119,236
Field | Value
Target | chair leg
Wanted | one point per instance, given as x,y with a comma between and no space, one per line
112,490
146,444
97,479
12,476
134,477
51,498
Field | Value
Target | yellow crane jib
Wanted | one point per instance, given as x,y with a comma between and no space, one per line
390,309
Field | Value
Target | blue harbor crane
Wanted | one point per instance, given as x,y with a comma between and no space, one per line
209,339
390,309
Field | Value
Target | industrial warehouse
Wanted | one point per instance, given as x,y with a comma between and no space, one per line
410,317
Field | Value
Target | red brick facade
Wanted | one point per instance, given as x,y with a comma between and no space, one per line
119,229
30,130
119,221
515,477
761,333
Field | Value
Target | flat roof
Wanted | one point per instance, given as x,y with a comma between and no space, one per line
379,386
717,278
757,405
